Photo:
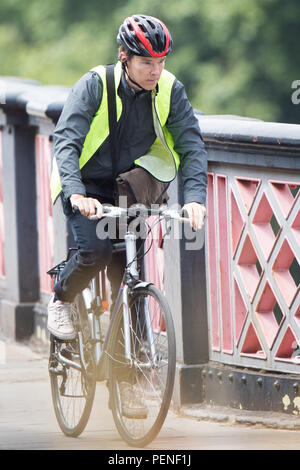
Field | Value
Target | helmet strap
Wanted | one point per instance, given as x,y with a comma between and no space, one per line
125,68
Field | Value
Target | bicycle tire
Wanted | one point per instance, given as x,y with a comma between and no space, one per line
72,390
152,382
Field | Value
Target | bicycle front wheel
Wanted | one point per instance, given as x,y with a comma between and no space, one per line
72,372
149,371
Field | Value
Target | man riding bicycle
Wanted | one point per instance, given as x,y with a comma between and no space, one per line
82,157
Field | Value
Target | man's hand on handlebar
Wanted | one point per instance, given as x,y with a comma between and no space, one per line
196,213
88,206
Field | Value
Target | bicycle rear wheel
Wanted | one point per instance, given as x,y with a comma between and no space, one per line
151,368
72,384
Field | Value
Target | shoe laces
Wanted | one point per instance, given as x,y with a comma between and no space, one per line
63,313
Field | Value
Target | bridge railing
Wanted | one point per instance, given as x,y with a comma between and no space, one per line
253,243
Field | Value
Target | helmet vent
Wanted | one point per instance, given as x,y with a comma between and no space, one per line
151,24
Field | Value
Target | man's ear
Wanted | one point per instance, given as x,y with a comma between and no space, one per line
123,57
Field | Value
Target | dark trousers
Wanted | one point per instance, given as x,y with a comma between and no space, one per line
93,254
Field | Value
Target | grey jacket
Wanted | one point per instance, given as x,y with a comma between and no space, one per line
136,135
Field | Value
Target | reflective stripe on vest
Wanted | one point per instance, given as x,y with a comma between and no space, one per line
161,160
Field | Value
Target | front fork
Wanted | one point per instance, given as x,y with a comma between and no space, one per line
130,242
127,325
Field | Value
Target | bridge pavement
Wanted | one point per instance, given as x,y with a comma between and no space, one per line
27,420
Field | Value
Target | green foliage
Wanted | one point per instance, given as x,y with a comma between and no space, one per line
235,57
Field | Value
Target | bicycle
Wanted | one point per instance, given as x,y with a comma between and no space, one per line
138,347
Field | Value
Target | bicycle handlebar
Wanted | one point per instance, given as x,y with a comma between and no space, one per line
140,210
137,211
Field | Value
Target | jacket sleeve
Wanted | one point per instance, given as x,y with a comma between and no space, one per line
184,128
72,128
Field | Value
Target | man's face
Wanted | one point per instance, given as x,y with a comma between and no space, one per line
145,71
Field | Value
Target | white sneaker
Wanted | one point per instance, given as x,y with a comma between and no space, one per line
59,321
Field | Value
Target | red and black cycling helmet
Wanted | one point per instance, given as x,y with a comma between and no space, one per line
145,36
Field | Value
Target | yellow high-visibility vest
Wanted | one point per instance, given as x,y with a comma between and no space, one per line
161,160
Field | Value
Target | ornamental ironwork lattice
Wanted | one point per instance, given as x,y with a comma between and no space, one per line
253,273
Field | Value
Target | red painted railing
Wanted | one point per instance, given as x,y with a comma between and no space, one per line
44,210
253,240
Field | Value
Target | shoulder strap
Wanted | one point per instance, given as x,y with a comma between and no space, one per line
112,118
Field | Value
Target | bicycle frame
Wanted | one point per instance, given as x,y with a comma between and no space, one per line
92,298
